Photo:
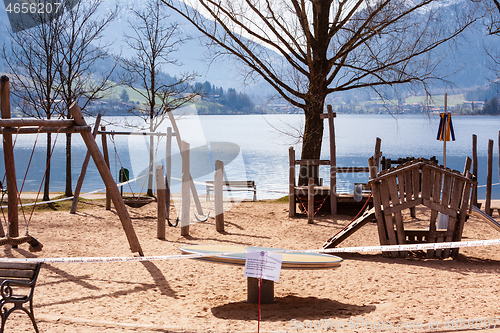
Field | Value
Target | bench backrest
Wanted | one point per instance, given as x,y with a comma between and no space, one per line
18,271
236,183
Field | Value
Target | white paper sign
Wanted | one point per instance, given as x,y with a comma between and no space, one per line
263,265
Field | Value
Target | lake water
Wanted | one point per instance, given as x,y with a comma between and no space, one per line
257,151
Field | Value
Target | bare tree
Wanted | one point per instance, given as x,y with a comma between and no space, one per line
308,49
154,41
79,52
32,61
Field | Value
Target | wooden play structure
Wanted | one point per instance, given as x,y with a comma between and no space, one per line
77,125
415,183
306,195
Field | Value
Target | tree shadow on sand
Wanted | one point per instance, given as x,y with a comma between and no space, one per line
291,307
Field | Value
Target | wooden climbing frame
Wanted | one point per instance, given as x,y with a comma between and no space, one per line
421,182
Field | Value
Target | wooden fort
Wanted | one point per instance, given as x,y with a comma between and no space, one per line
421,182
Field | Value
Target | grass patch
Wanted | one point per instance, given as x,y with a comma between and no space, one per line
60,206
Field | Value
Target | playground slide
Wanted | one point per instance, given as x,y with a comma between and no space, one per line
350,229
485,217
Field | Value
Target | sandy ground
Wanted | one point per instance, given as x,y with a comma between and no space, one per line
193,296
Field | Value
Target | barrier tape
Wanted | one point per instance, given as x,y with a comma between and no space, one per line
358,249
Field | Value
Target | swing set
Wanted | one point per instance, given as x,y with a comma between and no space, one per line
8,127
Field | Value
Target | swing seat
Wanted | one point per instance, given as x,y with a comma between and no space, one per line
137,202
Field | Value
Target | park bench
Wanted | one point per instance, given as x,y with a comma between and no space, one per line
17,288
234,185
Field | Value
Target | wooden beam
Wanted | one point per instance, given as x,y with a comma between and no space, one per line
333,161
9,161
186,177
218,197
86,161
489,179
291,183
21,122
44,129
161,201
108,181
106,160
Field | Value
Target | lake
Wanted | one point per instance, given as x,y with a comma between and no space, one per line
257,150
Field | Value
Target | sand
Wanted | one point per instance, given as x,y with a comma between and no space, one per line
193,296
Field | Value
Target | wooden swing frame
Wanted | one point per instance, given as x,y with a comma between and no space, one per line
77,125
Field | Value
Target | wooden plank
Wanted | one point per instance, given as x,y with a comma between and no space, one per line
434,204
403,169
427,177
403,206
291,183
432,232
17,265
416,183
396,200
438,207
408,186
377,205
388,218
107,178
16,273
456,195
447,171
445,194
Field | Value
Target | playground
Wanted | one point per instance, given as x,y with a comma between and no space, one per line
195,296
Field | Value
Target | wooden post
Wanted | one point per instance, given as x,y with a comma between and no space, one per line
106,176
9,162
168,166
106,160
161,201
218,197
489,178
291,186
474,168
310,200
79,183
333,162
376,157
192,186
186,177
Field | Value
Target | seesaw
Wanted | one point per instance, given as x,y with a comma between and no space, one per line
236,255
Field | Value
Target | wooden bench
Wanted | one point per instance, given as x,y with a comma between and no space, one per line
234,185
18,286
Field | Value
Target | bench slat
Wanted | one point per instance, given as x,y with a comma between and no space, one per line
17,265
13,273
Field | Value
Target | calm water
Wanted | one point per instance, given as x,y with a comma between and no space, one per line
253,149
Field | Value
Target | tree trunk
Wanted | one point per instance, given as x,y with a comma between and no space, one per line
46,196
151,160
69,187
313,137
